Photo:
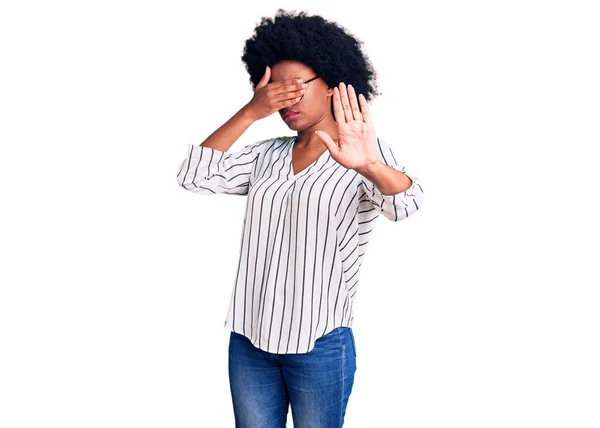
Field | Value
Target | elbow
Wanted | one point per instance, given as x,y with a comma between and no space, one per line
403,208
193,182
182,174
187,183
418,197
200,186
182,182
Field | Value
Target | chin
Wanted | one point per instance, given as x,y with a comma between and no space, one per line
292,125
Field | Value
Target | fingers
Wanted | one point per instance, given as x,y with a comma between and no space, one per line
287,85
366,114
331,145
266,76
338,110
354,103
345,102
291,90
347,105
287,102
292,95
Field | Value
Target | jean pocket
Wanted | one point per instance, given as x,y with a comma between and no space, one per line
353,341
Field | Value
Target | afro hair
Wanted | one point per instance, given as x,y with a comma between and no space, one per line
326,47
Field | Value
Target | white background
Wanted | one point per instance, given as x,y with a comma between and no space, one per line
115,281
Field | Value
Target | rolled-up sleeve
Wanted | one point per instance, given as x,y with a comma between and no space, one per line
208,171
399,206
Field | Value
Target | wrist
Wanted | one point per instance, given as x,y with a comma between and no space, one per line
247,113
369,168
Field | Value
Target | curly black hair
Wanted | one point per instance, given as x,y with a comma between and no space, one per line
328,48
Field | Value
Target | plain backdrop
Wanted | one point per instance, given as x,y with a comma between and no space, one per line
479,310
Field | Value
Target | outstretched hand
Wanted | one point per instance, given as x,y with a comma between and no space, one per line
357,140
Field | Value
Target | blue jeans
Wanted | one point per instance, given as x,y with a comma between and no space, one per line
316,384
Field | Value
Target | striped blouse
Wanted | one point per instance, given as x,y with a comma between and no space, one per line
304,236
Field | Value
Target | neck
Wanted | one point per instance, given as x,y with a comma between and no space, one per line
308,138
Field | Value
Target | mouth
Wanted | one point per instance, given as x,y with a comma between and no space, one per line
290,115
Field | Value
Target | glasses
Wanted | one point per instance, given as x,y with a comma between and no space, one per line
310,80
307,81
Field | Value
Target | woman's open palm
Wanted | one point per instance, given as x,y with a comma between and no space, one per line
357,140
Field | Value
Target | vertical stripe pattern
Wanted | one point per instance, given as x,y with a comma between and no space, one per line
304,236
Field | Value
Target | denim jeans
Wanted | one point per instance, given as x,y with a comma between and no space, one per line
316,384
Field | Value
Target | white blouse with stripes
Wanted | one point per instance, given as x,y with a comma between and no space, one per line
304,236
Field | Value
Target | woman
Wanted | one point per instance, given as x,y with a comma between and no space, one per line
313,200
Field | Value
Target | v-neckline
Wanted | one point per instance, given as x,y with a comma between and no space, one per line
293,176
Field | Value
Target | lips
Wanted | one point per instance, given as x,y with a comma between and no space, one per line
289,114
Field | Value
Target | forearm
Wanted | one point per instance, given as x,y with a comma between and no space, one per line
228,133
388,180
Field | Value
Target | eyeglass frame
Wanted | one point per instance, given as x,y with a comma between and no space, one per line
306,81
310,80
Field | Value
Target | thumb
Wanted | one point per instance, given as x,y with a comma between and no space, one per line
265,78
328,141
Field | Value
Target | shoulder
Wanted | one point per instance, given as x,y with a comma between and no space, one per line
270,142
